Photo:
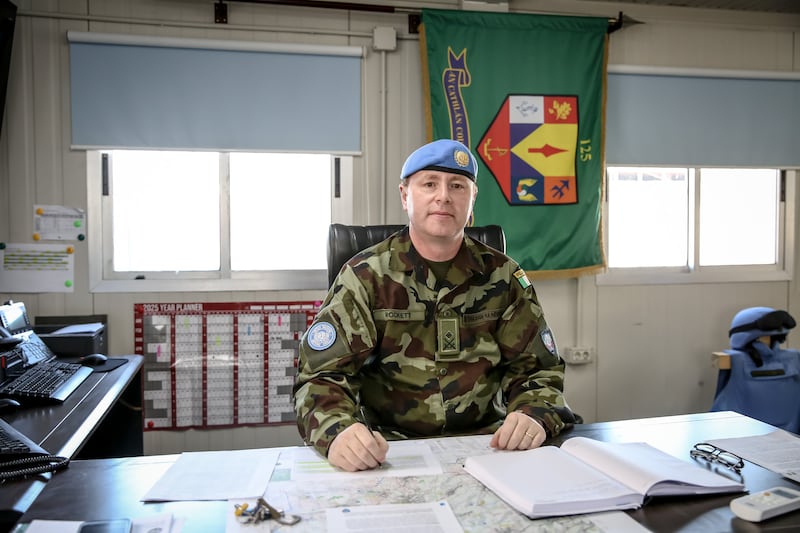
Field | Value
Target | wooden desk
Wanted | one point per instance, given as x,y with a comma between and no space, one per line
79,427
110,488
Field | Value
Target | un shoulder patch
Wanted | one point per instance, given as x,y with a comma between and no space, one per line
522,278
548,341
321,336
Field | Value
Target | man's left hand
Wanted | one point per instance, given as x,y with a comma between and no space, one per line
518,432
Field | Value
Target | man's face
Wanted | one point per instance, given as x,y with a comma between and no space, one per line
438,203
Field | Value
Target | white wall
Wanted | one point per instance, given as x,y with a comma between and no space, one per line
652,343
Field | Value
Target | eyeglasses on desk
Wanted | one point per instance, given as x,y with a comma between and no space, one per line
712,454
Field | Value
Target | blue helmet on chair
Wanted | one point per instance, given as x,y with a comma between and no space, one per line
754,322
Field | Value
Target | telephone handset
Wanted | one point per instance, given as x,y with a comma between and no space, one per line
26,458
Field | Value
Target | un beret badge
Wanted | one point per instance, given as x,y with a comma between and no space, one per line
461,157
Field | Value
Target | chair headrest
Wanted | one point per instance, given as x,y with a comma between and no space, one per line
345,241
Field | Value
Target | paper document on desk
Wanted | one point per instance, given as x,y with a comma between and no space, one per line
220,475
778,451
91,328
433,517
405,458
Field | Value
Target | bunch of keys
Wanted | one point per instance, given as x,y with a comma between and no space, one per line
263,511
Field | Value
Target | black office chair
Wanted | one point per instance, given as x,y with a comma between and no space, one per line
346,241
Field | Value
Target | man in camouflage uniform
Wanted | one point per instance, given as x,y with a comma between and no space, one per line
429,333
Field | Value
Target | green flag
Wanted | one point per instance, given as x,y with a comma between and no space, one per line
526,94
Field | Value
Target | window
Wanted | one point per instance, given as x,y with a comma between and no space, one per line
648,217
179,220
697,224
740,217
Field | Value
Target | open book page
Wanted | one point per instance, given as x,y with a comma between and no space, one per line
648,470
547,481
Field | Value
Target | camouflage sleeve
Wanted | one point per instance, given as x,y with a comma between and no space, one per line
332,351
534,382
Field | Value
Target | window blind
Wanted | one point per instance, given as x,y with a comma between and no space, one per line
189,94
702,119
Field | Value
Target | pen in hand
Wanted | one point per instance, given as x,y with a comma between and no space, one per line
364,418
366,422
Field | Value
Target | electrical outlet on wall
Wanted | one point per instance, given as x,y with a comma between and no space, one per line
578,355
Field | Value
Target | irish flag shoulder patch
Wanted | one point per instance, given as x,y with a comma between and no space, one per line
522,278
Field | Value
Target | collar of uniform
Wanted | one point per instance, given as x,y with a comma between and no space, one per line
405,257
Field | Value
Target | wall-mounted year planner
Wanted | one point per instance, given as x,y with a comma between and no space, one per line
219,364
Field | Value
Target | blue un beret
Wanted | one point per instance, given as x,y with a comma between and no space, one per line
445,155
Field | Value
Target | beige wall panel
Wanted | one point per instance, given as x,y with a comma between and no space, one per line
48,185
18,128
654,344
561,301
406,120
694,46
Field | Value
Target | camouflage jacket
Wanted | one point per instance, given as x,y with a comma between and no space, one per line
427,358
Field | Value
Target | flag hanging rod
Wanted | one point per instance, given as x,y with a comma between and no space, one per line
414,18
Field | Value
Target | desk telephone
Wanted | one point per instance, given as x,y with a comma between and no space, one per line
29,371
16,331
20,350
21,457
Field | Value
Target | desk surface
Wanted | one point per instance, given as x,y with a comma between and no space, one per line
64,429
109,488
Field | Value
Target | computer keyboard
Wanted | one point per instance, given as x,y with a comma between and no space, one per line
50,381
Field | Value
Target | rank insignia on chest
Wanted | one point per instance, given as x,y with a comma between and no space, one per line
447,339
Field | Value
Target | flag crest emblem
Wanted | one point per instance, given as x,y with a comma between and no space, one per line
530,149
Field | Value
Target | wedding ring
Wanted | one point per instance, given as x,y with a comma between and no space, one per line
528,435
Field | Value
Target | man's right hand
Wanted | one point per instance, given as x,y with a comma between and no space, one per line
357,448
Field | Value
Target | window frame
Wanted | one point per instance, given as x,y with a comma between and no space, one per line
102,278
781,271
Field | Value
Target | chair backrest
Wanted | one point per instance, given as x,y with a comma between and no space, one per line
346,241
768,392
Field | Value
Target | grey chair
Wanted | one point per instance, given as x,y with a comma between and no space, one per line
346,241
